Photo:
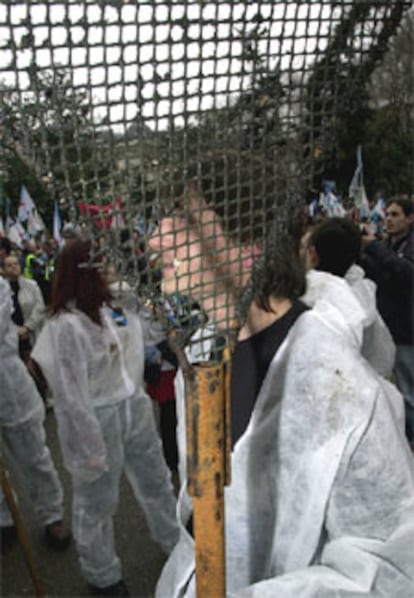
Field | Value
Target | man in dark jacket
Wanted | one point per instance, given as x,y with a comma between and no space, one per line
390,263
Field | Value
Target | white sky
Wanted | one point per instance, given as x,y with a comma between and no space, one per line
145,38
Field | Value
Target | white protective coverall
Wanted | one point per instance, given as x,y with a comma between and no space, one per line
353,298
21,420
321,502
32,306
377,344
105,425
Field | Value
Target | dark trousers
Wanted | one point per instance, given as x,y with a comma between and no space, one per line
168,425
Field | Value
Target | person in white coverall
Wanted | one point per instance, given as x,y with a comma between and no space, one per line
334,246
23,437
321,501
93,360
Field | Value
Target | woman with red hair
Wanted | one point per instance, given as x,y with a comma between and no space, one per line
93,359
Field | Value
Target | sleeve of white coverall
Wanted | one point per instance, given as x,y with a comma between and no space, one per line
80,434
37,314
369,525
5,308
378,347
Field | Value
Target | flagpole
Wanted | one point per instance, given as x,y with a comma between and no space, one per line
57,224
2,198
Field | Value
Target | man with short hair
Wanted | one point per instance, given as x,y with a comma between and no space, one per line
333,247
390,263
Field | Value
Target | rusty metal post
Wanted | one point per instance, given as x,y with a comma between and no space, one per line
21,532
208,432
208,472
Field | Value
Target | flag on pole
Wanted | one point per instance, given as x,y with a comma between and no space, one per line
356,188
35,223
8,223
329,202
15,232
28,212
57,224
7,211
26,205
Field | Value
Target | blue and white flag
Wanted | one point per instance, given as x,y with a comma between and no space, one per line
28,212
330,203
15,232
57,225
356,188
26,205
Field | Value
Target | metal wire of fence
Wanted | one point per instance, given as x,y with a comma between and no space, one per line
129,105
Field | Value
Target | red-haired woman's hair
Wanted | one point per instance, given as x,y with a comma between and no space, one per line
77,280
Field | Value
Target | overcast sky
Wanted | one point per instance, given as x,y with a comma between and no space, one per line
108,48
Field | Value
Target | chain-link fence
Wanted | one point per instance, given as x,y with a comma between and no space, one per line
140,106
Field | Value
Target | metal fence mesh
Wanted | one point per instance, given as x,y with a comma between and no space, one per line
123,103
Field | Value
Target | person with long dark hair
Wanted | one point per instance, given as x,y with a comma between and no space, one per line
93,359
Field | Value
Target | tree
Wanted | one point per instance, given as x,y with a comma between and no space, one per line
50,140
329,109
338,92
389,148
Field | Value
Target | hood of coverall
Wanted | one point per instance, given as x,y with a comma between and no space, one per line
341,308
364,290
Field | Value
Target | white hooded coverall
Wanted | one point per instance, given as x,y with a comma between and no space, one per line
21,421
105,425
377,344
321,502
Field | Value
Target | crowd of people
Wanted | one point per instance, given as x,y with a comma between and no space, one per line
105,420
321,501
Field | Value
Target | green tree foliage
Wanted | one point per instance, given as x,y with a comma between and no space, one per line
357,120
16,165
339,110
50,142
389,134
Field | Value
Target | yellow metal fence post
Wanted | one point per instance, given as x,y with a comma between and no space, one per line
208,472
207,400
